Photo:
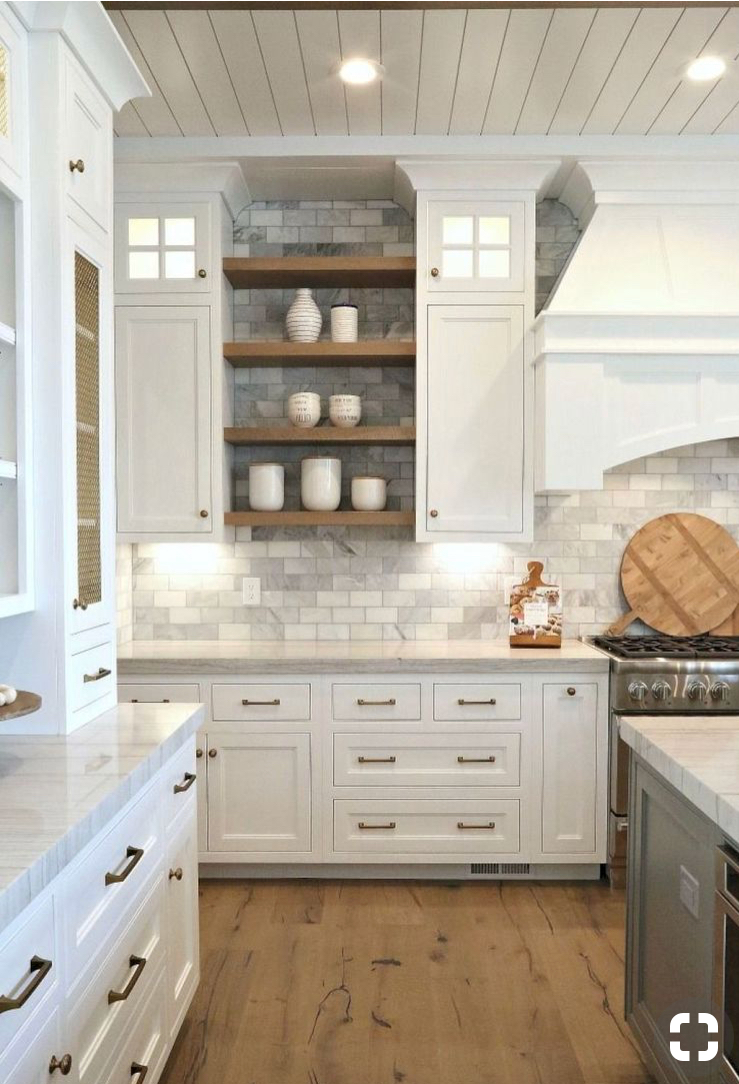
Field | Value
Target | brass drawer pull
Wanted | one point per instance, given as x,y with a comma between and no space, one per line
176,874
475,760
137,962
466,703
376,760
262,703
78,166
188,781
140,1070
376,703
135,854
482,827
78,604
375,827
39,969
63,1064
98,676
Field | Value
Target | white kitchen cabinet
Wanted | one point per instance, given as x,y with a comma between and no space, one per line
13,91
183,967
475,246
88,143
259,792
163,382
475,423
571,768
163,248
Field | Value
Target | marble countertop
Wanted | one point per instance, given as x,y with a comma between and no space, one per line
157,657
698,756
57,793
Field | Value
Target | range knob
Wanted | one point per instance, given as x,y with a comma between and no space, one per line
720,691
697,690
638,691
661,690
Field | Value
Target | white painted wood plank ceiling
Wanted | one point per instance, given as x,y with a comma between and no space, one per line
525,71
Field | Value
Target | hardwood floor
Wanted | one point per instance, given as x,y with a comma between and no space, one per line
405,983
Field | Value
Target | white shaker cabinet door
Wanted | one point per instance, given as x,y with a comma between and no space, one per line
475,422
163,402
570,768
183,968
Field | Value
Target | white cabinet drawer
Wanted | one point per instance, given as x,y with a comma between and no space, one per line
29,969
446,760
144,1049
88,157
261,703
91,673
28,1060
179,782
373,702
476,703
130,693
105,887
102,1015
453,826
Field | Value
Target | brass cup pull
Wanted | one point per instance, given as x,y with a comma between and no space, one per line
199,753
466,703
39,969
97,676
375,827
434,272
376,760
377,703
188,781
138,963
262,703
212,753
479,827
475,760
78,604
135,854
76,167
571,691
176,874
140,1070
63,1064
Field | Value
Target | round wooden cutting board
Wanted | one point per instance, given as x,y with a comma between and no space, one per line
680,575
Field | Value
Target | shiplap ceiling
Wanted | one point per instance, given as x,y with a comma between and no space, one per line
460,71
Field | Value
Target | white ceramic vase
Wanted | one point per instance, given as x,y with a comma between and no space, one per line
266,487
320,483
303,320
344,323
345,411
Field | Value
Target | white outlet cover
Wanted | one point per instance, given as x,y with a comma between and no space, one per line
689,892
251,591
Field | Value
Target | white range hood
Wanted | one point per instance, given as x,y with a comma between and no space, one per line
638,349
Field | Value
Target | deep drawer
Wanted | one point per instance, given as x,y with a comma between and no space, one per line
368,703
453,826
476,703
29,968
261,703
447,760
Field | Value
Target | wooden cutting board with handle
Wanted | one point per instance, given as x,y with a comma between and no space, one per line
680,576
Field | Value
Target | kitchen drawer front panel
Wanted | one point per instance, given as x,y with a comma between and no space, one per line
180,784
129,693
108,884
476,703
261,703
145,1044
91,674
453,826
447,760
104,1012
377,703
29,969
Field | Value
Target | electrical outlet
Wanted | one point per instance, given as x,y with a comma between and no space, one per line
251,589
689,892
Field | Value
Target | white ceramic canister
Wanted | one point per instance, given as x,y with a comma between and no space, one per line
303,320
304,409
344,323
266,487
345,411
320,483
369,493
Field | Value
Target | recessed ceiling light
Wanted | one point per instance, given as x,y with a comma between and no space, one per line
704,68
359,70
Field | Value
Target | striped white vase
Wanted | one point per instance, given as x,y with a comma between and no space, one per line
303,320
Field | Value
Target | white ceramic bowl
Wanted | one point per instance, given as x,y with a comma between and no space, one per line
266,487
320,483
345,411
369,493
304,409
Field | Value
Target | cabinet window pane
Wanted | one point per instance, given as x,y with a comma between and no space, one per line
457,230
143,265
179,231
179,265
495,230
4,93
457,264
495,264
143,231
87,411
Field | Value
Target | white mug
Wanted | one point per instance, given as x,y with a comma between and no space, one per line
266,487
320,483
345,411
304,409
369,493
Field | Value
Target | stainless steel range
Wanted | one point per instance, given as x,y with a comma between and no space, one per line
659,675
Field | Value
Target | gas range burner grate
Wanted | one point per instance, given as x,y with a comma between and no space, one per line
669,647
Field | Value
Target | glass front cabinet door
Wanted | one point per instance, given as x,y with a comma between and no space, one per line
475,246
162,248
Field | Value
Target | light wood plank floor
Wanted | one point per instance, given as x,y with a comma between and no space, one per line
405,983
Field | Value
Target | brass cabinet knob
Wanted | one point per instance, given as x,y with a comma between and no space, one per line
202,273
434,272
212,752
175,874
433,513
198,753
203,513
571,690
63,1064
78,604
76,167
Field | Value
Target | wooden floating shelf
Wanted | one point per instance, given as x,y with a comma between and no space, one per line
24,704
360,434
268,355
285,272
320,519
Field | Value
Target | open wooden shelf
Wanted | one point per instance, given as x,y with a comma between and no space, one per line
289,272
268,355
320,519
360,434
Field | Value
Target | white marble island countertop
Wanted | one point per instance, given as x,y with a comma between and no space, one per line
142,657
57,793
698,755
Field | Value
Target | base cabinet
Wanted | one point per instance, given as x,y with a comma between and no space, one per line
569,768
181,909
